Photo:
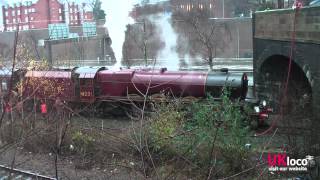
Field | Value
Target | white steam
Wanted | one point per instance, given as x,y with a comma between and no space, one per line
117,17
168,55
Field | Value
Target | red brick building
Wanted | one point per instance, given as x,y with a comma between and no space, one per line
74,14
38,15
78,14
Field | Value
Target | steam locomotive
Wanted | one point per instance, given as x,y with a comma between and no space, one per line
91,84
99,85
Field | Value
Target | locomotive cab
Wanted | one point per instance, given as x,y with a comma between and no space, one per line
86,83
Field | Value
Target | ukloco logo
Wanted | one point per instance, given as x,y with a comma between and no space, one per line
282,162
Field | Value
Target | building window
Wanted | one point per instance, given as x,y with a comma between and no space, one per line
7,21
14,21
201,6
32,26
60,18
4,86
75,18
71,18
13,13
60,10
31,18
18,12
7,13
26,11
26,19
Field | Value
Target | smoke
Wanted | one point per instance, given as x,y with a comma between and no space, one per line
116,20
168,56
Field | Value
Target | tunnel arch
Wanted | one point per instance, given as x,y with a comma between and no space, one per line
272,78
276,67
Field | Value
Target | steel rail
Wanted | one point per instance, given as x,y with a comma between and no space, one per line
31,175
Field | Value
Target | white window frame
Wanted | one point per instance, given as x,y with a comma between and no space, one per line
4,86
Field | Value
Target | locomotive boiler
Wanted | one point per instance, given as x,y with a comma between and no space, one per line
98,84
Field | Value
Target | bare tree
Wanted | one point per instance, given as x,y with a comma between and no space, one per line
206,37
142,42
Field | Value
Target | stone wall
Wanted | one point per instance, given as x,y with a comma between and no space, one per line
278,24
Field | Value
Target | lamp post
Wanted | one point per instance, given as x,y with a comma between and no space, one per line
222,8
145,43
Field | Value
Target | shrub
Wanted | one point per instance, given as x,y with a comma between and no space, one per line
83,143
165,124
201,130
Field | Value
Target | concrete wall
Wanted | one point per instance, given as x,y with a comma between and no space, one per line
80,51
68,49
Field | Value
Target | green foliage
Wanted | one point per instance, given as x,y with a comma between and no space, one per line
98,13
202,129
165,125
83,143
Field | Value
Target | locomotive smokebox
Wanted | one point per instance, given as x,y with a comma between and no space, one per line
237,83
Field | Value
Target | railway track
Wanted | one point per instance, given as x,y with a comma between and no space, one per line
7,173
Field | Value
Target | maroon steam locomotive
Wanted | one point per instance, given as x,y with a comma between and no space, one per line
92,84
98,85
